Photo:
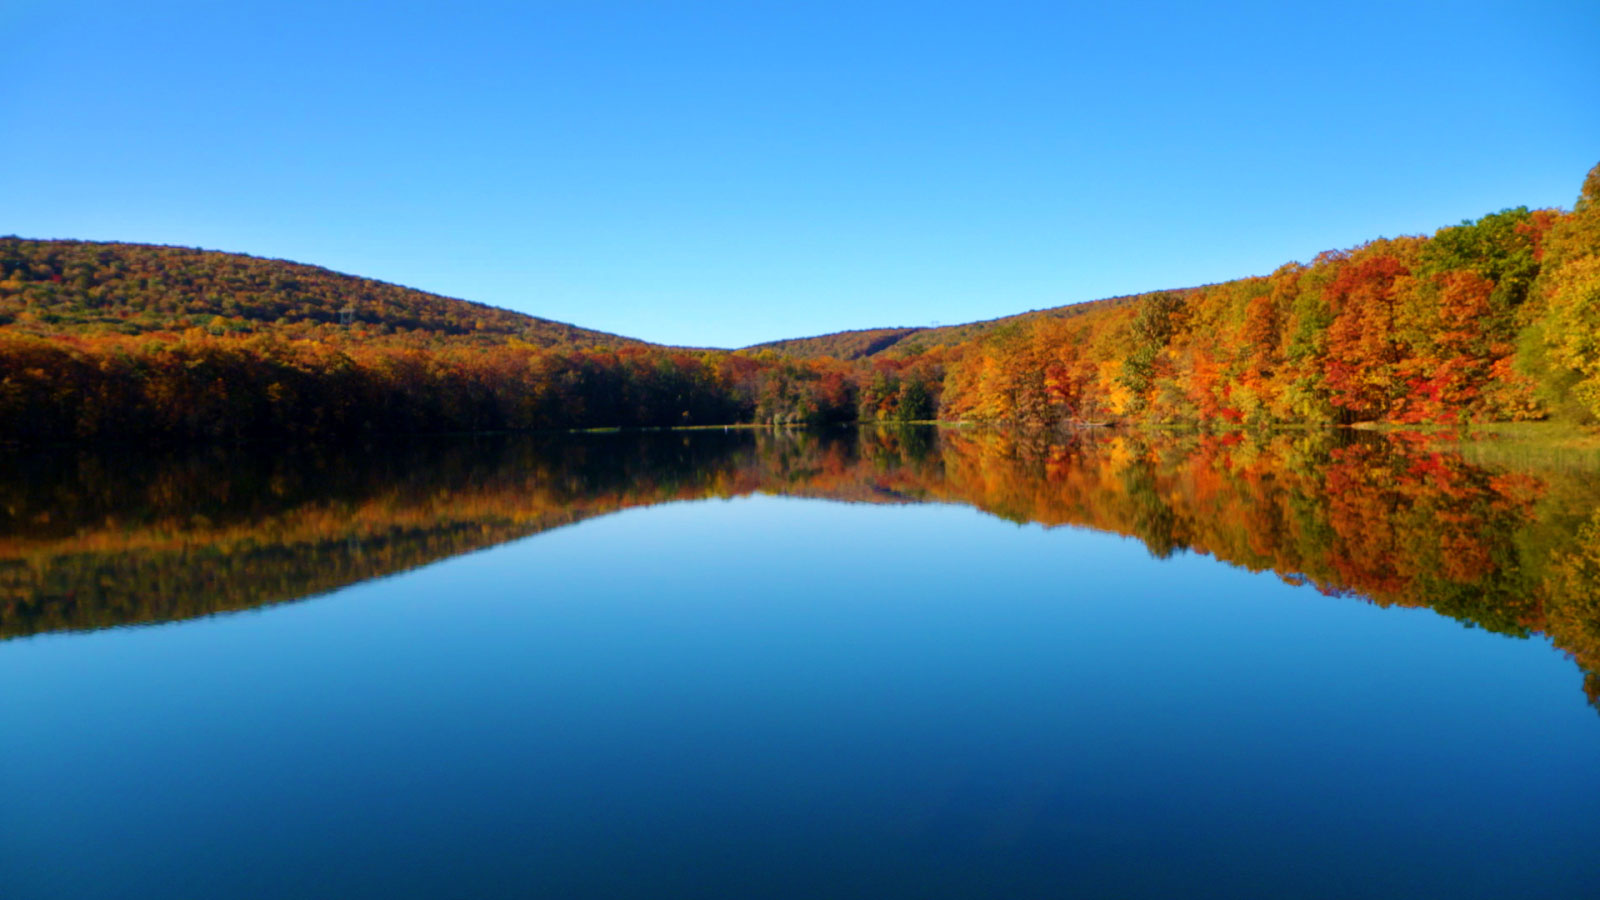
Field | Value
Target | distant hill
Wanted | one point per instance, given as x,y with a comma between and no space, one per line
841,344
85,287
1489,320
50,287
869,342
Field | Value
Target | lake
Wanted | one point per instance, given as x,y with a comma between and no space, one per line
849,663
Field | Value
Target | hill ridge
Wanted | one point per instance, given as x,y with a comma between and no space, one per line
40,294
861,343
54,285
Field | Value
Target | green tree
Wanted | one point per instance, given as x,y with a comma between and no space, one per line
913,403
1152,327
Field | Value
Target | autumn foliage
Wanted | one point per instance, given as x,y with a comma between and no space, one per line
1496,319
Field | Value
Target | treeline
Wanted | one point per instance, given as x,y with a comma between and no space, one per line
92,539
1496,319
199,386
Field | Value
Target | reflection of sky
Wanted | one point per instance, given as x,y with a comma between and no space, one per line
771,696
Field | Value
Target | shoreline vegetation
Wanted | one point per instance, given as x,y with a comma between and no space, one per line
1495,320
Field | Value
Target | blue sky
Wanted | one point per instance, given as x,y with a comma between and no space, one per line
722,174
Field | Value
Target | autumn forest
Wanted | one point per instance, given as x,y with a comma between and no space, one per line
1492,320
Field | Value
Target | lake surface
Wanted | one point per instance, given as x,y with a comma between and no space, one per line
857,663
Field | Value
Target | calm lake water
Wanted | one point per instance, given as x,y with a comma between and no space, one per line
857,663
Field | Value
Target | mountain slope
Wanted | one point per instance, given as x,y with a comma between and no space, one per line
869,342
1494,319
81,287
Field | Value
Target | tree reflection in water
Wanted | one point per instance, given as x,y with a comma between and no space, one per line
99,539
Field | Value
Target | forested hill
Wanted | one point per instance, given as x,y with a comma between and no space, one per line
89,288
859,344
864,343
1493,319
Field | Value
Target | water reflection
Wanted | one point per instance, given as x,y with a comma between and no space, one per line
98,539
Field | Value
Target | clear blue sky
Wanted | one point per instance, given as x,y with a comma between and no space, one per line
724,173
